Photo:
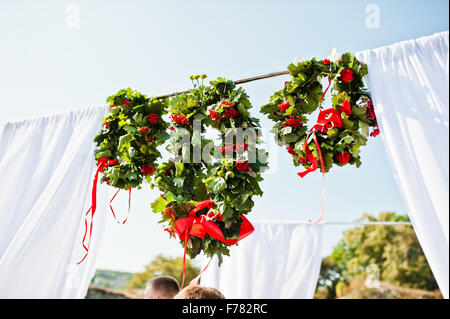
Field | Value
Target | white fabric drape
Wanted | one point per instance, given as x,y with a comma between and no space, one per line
46,169
279,260
409,82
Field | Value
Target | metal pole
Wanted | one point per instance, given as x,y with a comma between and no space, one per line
241,81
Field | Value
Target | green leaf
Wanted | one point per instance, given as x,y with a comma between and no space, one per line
227,212
291,138
178,181
364,128
179,168
170,197
124,141
158,205
331,133
217,185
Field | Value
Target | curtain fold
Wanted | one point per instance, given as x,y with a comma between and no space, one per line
409,82
279,260
46,169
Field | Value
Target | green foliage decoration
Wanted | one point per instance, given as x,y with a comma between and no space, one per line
131,133
229,180
290,107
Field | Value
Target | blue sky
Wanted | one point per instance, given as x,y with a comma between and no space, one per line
153,46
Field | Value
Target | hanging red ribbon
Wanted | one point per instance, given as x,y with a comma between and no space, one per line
194,282
129,206
329,118
101,164
323,121
325,92
200,226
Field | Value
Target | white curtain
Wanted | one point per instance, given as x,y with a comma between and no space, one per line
46,169
279,260
409,82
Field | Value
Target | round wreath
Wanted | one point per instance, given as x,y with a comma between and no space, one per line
129,138
204,203
339,131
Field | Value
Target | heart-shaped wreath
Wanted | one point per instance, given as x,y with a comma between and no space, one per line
339,131
203,201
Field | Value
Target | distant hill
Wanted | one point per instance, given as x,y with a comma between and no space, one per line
111,279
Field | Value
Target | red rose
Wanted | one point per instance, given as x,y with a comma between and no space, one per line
148,169
343,158
345,107
241,165
111,106
286,83
171,128
153,118
218,217
346,75
210,214
126,102
284,106
144,130
326,61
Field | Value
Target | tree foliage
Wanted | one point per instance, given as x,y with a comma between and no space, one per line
394,250
164,266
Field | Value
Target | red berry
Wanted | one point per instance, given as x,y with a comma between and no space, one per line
144,130
284,106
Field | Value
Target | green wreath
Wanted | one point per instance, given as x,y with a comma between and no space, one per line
218,193
341,130
130,136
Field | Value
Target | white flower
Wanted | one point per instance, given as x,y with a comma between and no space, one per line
334,55
298,59
286,130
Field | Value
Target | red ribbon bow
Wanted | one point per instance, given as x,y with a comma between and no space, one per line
200,226
329,118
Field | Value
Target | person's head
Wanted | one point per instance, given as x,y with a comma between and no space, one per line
197,292
164,287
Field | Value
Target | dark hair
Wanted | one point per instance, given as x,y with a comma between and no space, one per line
165,285
198,292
